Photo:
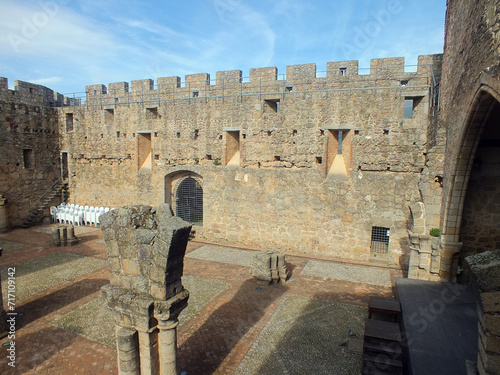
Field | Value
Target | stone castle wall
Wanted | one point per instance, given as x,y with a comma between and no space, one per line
29,146
286,189
472,46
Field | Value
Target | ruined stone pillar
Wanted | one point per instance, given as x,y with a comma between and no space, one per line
146,248
56,237
128,353
269,266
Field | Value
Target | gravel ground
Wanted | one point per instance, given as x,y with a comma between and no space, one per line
348,272
35,275
94,320
304,336
224,255
9,245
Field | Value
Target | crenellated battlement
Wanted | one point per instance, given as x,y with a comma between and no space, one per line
339,75
37,94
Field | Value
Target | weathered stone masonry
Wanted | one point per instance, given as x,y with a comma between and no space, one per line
29,146
266,153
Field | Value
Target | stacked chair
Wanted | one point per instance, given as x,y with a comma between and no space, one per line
382,343
76,214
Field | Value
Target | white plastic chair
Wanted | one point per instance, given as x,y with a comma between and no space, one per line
53,214
91,216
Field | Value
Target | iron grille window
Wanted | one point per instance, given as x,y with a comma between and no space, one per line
380,240
189,201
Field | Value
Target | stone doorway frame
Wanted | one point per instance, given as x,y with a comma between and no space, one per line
485,98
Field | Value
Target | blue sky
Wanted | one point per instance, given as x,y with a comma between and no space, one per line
66,45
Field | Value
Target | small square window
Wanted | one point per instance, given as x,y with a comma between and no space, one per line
380,240
195,93
273,105
404,83
157,157
151,113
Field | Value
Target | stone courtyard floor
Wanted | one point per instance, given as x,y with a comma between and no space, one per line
233,325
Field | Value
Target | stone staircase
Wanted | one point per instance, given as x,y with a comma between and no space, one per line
42,203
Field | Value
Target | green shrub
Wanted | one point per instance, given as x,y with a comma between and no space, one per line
435,232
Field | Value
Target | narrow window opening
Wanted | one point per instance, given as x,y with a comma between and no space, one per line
157,157
244,136
69,122
195,134
109,116
356,132
289,88
28,158
117,134
32,90
277,158
64,165
233,148
144,150
156,134
380,240
294,133
178,134
319,160
335,161
343,72
386,131
195,93
209,157
404,83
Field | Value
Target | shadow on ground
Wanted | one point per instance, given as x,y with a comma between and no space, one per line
206,348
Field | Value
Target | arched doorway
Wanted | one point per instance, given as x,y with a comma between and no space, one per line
184,193
472,207
189,201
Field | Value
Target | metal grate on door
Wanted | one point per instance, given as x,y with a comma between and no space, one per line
189,201
380,240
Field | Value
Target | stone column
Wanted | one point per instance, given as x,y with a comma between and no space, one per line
168,346
128,353
146,248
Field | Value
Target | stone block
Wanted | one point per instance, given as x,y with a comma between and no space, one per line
485,270
491,302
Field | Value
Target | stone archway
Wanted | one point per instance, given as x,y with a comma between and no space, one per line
479,133
184,193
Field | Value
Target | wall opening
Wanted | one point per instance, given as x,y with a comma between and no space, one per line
481,210
410,106
109,116
28,158
272,105
380,240
337,152
64,165
232,150
151,113
343,72
184,192
144,150
69,122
